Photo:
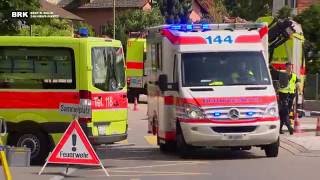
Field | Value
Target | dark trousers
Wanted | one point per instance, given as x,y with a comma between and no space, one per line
285,106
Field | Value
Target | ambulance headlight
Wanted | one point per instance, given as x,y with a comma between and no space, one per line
194,112
272,110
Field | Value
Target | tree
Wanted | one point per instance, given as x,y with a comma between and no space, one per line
9,25
248,9
134,21
310,22
175,11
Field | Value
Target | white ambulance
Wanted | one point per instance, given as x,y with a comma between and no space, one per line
210,86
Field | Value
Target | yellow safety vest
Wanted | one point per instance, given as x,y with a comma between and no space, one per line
291,85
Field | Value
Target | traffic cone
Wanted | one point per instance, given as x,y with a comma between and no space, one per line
297,126
135,105
318,127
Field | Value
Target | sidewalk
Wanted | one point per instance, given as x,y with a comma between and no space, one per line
305,143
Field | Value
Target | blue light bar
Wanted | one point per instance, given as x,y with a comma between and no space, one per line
216,114
205,27
189,27
250,113
83,32
175,27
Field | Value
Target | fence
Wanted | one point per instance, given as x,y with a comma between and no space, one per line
312,87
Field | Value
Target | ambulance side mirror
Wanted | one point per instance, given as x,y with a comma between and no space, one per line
163,82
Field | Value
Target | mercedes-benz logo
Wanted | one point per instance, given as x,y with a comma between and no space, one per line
234,114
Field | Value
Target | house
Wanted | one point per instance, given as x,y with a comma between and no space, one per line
297,5
99,13
48,6
199,9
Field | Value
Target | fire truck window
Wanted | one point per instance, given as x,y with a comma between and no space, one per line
108,68
37,68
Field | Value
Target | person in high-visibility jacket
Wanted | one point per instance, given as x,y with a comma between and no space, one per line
243,75
287,95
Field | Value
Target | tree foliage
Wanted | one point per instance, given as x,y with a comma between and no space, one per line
310,21
134,21
175,11
249,9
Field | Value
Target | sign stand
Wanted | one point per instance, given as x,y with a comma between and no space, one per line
74,146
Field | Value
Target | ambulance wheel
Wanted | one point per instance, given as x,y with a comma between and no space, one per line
38,144
183,148
167,147
272,150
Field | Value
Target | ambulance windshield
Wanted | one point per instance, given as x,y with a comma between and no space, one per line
224,69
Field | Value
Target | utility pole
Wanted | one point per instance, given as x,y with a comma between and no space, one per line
114,19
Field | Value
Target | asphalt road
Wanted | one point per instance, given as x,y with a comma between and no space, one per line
139,158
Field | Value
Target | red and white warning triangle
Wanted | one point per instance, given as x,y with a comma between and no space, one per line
74,148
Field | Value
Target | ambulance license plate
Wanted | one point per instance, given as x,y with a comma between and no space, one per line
234,137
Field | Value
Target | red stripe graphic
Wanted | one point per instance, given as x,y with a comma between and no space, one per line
36,100
303,71
168,100
183,40
266,119
109,100
52,100
248,39
167,135
228,101
134,65
263,31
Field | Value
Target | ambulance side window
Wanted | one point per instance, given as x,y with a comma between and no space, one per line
159,56
175,69
156,52
37,68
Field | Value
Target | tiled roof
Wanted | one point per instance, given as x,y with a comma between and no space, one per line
205,4
119,3
46,6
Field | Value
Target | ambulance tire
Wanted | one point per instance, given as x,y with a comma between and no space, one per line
183,148
272,150
167,147
33,140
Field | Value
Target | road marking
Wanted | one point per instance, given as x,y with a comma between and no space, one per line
156,172
158,165
144,175
123,142
152,140
60,177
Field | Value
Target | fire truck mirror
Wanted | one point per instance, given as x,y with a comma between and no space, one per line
3,127
163,82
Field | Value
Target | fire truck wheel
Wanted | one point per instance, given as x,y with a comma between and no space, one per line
272,150
38,144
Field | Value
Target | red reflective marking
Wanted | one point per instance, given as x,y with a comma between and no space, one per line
248,39
279,66
52,100
134,65
168,100
36,100
263,31
228,101
266,119
183,40
109,100
167,135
